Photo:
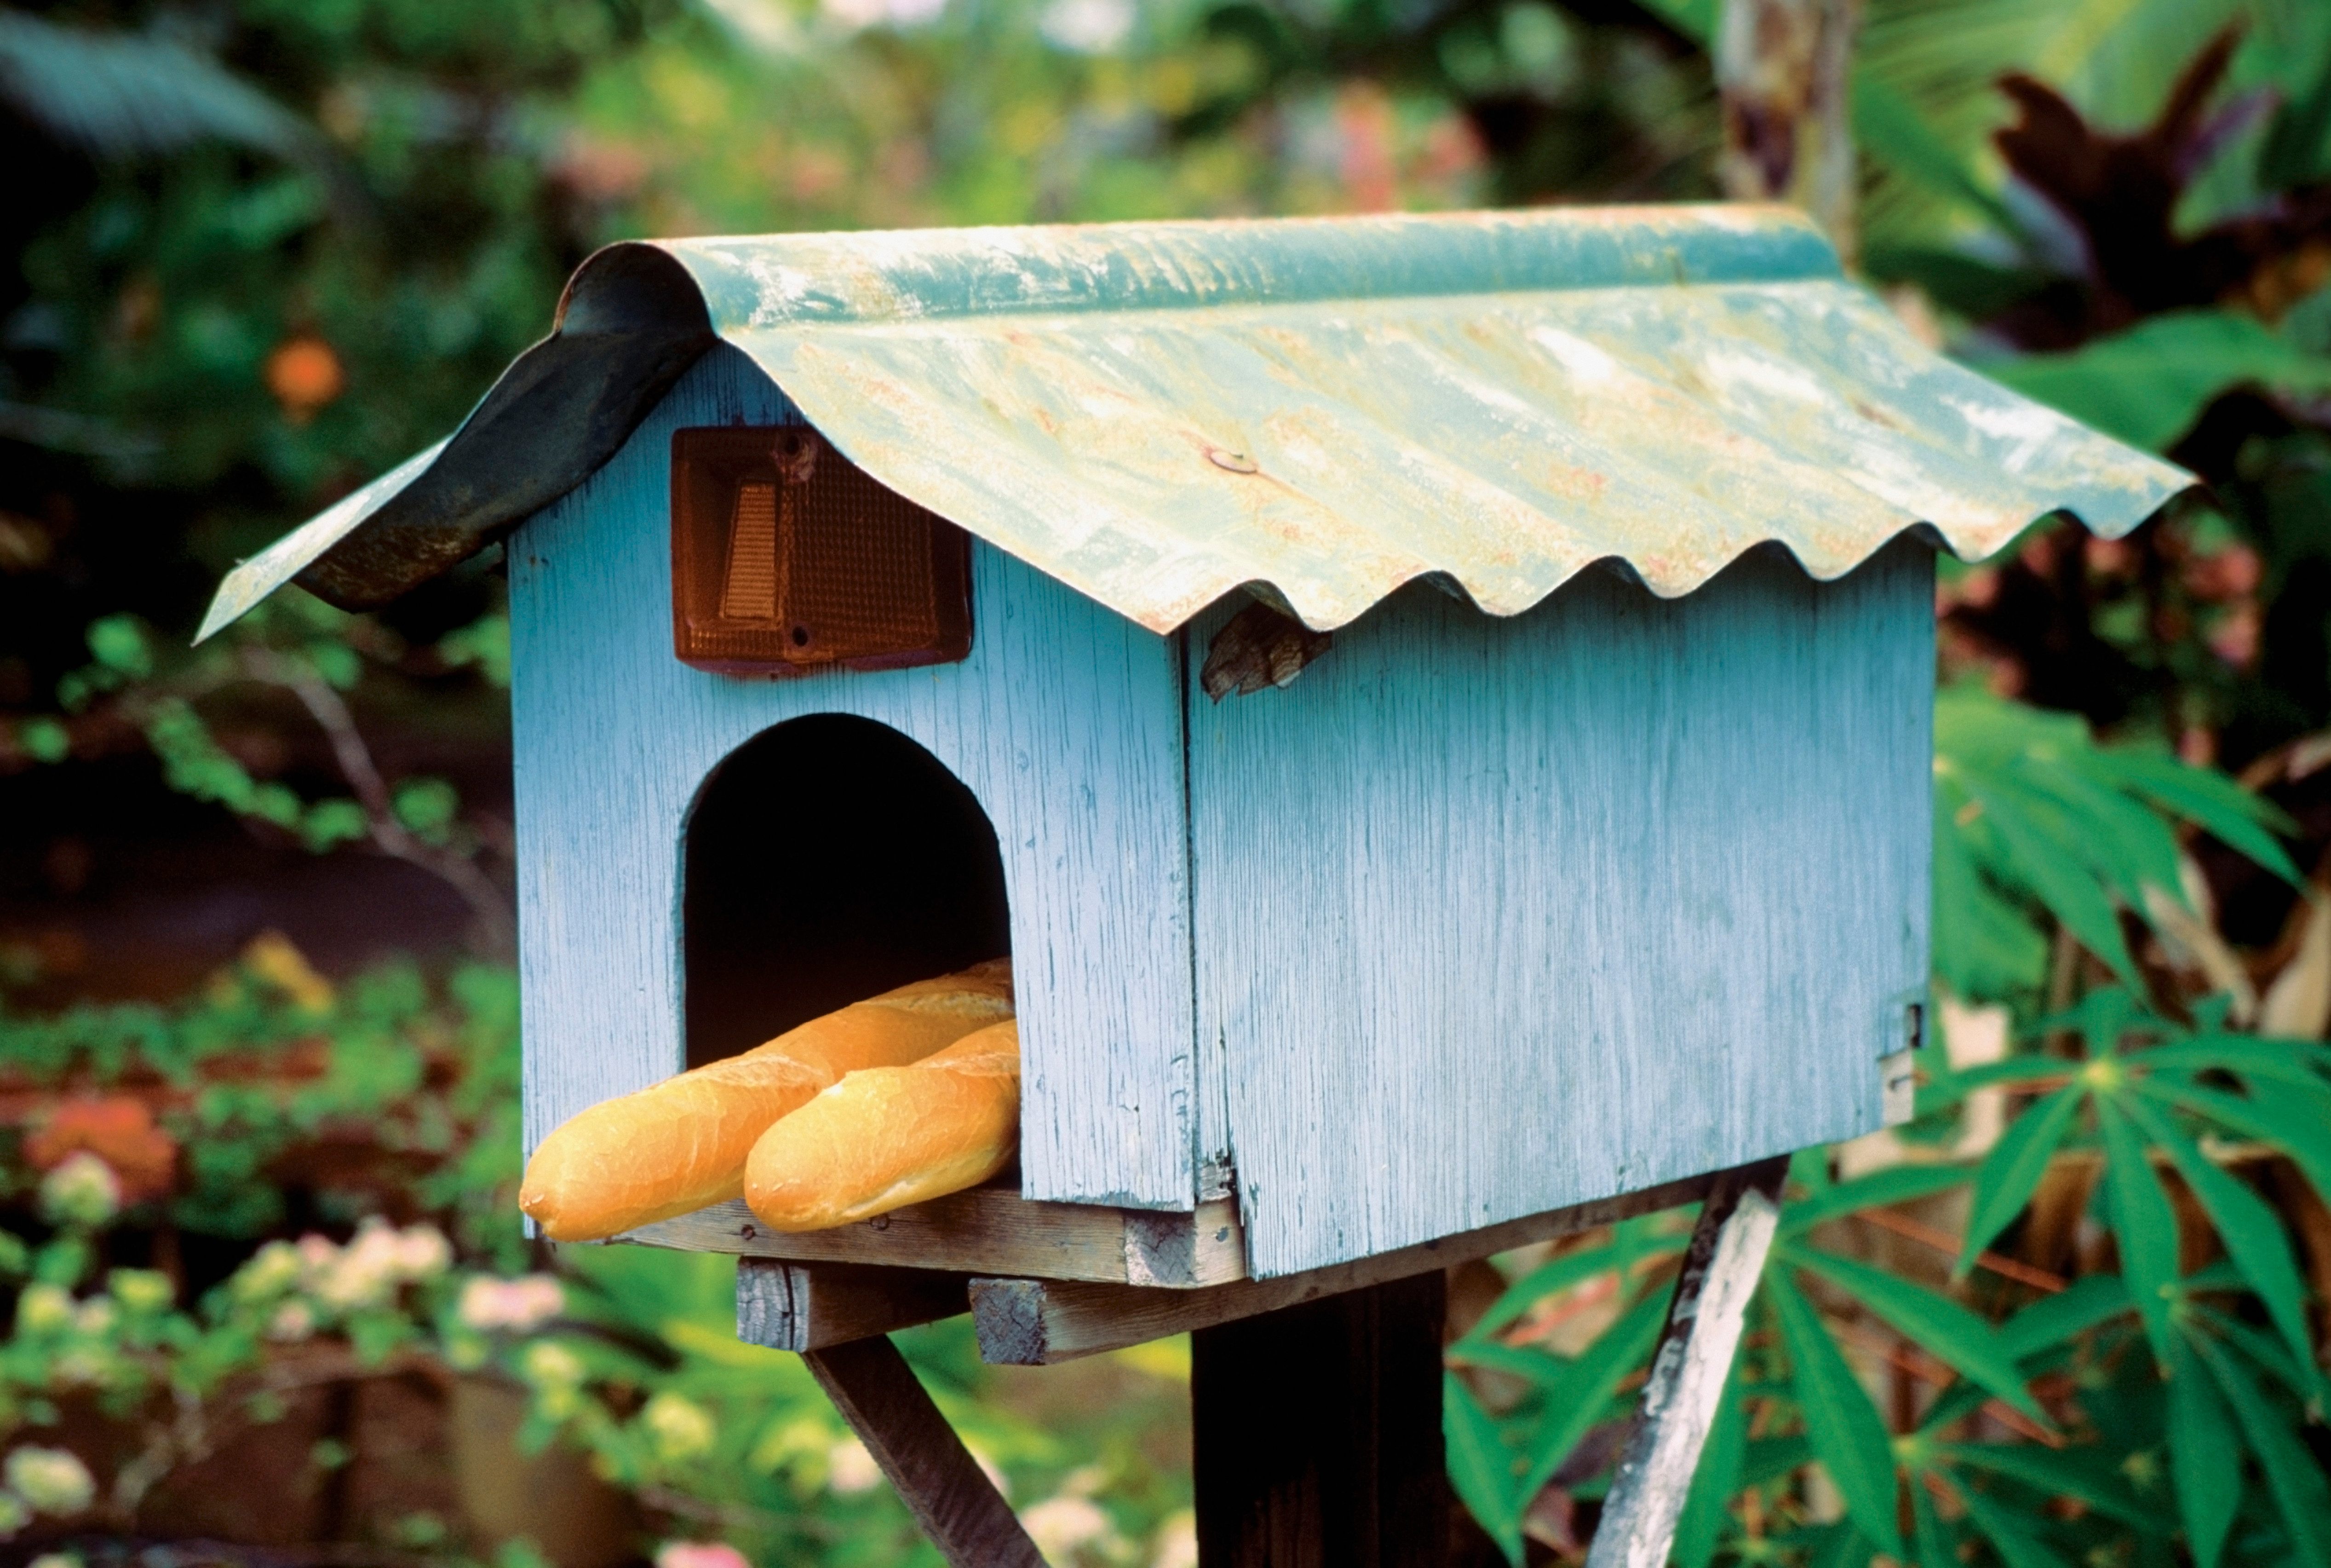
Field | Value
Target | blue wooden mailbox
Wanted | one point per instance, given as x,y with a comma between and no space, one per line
1436,707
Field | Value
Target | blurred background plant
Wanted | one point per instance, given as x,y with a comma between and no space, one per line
257,1025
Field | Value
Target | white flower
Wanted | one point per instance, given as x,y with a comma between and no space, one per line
45,1308
1059,1525
293,1322
518,1305
52,1481
681,1427
94,1316
850,1467
1088,26
83,1190
1177,1542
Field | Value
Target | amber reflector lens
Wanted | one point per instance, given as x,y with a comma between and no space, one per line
785,555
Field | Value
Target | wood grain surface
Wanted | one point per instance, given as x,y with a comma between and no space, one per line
1493,917
801,1307
990,1230
942,1487
1065,722
1041,1322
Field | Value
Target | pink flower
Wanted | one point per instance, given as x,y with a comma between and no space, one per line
518,1305
700,1555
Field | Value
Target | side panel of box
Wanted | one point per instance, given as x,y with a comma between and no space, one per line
1065,722
1494,917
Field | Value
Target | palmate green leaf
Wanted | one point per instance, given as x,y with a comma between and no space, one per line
1894,1184
2144,1225
2004,1181
1930,1543
1562,1273
2074,1473
2299,1124
1534,1366
1888,128
1715,1480
1480,1466
2051,869
1840,1423
1579,1398
1982,945
2052,1320
2302,1062
2015,1539
2252,1230
2210,801
1935,1324
2292,1476
2118,838
2205,1455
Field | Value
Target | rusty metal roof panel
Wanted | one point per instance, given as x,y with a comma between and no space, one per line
1158,414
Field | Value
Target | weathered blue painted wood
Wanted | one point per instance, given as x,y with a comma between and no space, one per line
1496,915
1065,722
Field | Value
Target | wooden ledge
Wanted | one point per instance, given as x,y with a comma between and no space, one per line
991,1230
1041,1322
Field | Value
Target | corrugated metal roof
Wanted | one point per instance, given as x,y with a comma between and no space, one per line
1158,414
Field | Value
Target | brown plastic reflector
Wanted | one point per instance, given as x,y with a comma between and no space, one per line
785,556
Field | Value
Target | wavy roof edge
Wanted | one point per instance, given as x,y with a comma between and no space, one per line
1492,400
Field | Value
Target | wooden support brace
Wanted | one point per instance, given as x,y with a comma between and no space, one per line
801,1307
950,1496
1720,1271
1041,1322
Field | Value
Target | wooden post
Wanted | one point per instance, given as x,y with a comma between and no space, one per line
1720,1271
1317,1433
951,1498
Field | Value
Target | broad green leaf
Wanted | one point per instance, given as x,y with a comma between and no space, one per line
2144,1223
2252,1230
1715,1480
2051,869
2052,1320
2073,1473
1890,130
2016,1540
1580,1397
1935,1324
2147,383
2293,1477
2003,1183
1480,1466
1840,1423
2210,801
1894,1184
2205,1457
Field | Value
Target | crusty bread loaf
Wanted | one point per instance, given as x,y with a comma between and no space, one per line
682,1144
887,1136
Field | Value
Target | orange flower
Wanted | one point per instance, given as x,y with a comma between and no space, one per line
304,374
118,1130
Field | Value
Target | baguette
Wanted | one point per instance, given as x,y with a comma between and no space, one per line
682,1144
887,1136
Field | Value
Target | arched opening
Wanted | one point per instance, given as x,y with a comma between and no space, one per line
826,861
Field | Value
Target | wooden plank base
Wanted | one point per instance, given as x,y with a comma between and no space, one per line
802,1307
950,1496
991,1230
1316,1433
1041,1322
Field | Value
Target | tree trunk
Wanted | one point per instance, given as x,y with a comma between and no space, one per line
1784,67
